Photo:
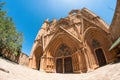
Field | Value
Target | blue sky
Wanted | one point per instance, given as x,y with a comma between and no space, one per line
28,15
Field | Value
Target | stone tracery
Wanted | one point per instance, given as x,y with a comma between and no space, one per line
73,44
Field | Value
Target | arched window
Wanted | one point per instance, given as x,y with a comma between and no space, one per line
64,61
63,50
95,44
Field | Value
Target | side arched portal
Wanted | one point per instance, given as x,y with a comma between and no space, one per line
97,43
35,57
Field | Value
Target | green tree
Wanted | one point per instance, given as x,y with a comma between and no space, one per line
10,39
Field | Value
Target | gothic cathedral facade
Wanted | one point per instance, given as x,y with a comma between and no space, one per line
77,43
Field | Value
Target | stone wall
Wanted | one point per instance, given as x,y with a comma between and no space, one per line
23,59
10,56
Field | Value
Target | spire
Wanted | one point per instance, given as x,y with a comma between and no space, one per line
45,24
47,20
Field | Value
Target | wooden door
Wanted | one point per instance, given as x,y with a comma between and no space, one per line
59,66
68,65
100,57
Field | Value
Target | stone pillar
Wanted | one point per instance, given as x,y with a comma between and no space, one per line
78,53
34,63
86,59
50,64
82,61
76,59
43,64
47,64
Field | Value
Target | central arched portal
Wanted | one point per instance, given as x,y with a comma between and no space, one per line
64,59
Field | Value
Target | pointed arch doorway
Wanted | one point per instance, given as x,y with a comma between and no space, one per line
101,57
99,53
64,59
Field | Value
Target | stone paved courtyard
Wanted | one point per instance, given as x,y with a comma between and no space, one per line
12,71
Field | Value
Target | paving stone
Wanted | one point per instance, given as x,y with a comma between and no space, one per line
19,72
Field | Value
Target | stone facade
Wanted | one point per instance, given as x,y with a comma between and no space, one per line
10,56
75,44
21,58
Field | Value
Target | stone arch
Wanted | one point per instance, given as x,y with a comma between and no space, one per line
103,38
62,39
94,28
85,32
64,59
38,54
35,57
71,43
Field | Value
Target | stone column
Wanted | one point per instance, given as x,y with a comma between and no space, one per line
78,53
43,64
86,59
47,64
32,62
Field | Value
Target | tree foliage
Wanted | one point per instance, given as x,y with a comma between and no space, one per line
10,38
